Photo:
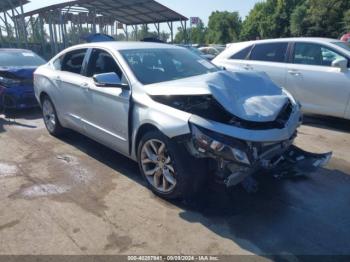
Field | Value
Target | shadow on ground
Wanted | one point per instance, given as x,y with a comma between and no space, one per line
308,215
9,118
327,122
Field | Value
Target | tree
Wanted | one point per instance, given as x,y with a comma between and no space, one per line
198,33
180,36
260,23
164,36
346,21
324,17
298,21
284,18
223,27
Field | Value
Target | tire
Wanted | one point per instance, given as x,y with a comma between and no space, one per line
173,160
51,121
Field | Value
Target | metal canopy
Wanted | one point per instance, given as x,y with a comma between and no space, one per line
61,25
128,12
6,5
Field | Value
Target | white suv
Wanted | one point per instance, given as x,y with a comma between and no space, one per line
315,70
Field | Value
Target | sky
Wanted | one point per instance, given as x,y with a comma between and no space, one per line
189,8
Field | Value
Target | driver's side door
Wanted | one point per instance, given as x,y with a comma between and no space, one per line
108,107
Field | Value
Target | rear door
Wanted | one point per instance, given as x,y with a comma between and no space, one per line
270,58
71,87
108,107
320,88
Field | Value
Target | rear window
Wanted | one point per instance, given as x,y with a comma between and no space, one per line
20,58
273,52
243,54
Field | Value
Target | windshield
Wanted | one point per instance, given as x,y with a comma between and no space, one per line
344,45
20,58
159,65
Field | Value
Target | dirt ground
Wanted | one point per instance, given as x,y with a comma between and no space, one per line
74,196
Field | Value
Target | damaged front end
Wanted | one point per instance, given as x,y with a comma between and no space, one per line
16,88
237,160
242,123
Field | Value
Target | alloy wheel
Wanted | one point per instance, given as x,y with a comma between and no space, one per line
49,115
157,166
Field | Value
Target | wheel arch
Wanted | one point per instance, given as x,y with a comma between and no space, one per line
141,131
42,95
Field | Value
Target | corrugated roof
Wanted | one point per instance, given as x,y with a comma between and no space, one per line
9,4
129,12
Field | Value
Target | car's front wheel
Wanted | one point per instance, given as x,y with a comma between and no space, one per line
50,117
165,166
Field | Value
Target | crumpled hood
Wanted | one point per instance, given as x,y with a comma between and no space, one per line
247,95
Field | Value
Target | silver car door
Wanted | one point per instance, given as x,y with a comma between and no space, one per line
72,88
108,107
319,87
238,61
270,58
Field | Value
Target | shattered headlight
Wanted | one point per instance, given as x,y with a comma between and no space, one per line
211,143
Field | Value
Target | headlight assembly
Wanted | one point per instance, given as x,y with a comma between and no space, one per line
215,144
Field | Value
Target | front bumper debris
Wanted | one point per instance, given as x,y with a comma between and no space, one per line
297,162
237,160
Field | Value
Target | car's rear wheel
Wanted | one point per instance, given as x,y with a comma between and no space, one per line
166,166
51,121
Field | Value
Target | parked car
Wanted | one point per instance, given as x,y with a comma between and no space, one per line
314,70
198,52
212,50
175,113
345,38
16,78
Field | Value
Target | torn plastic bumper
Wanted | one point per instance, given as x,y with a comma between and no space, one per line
236,160
296,162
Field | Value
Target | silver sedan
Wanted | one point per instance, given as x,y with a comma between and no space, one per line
180,117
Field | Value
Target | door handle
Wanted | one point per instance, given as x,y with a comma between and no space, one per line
248,67
294,72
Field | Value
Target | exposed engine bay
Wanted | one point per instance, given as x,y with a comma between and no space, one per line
207,107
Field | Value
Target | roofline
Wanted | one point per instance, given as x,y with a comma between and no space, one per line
77,2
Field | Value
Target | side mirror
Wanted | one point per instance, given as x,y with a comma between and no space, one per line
109,80
341,63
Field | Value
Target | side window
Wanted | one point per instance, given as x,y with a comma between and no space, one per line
273,52
243,54
72,61
314,54
102,62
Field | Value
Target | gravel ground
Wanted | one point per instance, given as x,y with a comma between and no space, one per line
74,196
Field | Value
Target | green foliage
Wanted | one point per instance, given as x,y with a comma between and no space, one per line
346,21
224,27
180,36
274,19
284,18
198,34
298,21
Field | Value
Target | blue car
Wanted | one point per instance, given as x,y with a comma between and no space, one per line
16,78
